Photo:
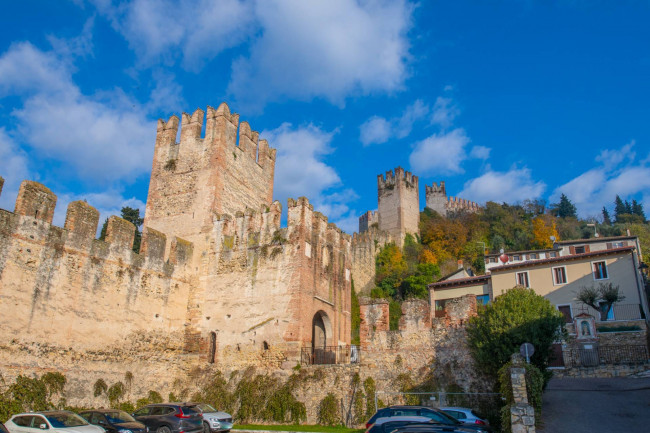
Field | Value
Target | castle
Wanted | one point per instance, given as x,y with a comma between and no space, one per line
397,215
217,282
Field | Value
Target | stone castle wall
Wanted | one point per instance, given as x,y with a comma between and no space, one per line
236,290
437,200
365,247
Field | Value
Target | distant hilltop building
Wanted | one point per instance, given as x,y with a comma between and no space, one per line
397,215
437,200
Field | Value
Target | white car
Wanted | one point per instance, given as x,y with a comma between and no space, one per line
55,421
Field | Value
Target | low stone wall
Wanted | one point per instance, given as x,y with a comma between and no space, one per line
602,371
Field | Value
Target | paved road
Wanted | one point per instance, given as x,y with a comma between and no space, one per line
596,405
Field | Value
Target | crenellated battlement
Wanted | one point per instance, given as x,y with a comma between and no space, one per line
437,200
368,220
32,221
220,126
227,171
397,176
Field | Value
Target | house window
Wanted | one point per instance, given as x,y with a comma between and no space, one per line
566,312
618,244
600,270
552,254
483,299
522,279
493,259
559,275
580,250
533,256
516,258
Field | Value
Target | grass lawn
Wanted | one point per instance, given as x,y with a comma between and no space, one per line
304,428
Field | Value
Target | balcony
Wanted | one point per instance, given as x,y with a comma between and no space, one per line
330,355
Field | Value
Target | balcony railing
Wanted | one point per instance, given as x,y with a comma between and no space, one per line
330,355
629,354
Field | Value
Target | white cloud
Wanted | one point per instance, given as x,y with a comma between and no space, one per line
103,137
165,30
14,170
510,186
480,152
441,153
327,49
618,174
444,112
301,171
107,203
377,130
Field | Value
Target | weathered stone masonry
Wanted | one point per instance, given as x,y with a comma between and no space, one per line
217,282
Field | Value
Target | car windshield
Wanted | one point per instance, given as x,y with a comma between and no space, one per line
118,417
205,408
65,419
440,416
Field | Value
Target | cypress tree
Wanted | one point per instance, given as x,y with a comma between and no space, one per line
619,207
606,219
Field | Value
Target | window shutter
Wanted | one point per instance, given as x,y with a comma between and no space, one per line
609,245
572,249
586,248
624,243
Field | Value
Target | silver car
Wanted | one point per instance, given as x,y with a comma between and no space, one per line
54,421
465,415
214,421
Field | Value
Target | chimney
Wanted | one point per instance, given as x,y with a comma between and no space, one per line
460,264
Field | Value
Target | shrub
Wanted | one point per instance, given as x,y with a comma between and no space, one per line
328,411
518,316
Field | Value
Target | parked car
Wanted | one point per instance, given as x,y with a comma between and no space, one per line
3,429
213,420
465,415
414,424
170,418
428,413
114,421
56,421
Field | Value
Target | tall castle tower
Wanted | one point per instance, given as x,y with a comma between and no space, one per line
194,180
399,204
436,197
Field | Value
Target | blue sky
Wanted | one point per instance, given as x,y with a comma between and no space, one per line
504,100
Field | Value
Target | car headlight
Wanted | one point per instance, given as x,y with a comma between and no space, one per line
124,431
215,423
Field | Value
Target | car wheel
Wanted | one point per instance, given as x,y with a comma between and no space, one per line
206,427
164,429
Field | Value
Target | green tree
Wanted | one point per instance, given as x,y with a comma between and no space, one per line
637,209
606,219
601,299
564,209
619,208
391,269
518,316
133,216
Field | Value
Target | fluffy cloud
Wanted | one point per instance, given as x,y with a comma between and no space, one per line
107,203
161,30
300,171
377,130
441,153
102,137
480,152
14,169
444,112
327,49
299,49
510,186
619,174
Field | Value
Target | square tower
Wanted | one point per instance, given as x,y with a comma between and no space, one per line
399,204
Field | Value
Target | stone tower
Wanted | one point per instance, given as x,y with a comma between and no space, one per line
195,179
436,197
399,204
